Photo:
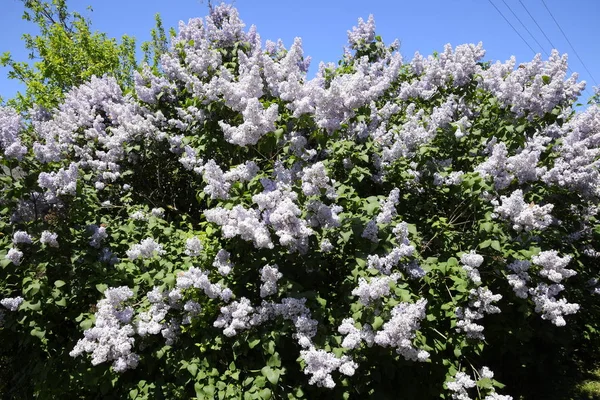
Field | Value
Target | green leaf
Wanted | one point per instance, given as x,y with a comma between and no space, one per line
101,287
266,394
485,244
38,333
271,374
377,323
192,369
62,302
496,245
274,360
59,283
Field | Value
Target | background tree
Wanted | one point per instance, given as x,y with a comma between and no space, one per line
64,54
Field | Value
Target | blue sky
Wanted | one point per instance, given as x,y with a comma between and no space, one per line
423,25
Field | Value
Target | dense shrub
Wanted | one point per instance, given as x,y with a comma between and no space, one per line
232,229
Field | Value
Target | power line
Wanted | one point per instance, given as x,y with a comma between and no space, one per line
538,25
524,26
568,41
548,39
511,25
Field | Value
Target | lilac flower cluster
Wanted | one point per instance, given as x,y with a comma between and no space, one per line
222,262
402,250
388,208
14,255
376,288
198,279
111,339
269,275
241,222
534,88
49,238
471,262
462,383
147,248
524,216
320,364
21,237
12,303
480,303
193,246
150,322
399,331
354,336
10,129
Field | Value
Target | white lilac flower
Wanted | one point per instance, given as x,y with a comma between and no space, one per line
388,208
320,364
553,266
314,178
486,373
471,262
376,288
189,159
21,237
460,385
241,222
242,173
451,179
371,231
400,330
363,34
257,122
10,129
480,303
193,247
62,182
269,275
15,256
139,216
352,333
496,396
354,336
323,215
12,303
552,309
392,259
49,238
222,262
524,91
191,309
98,235
522,215
519,278
326,246
158,212
147,248
576,166
496,165
280,210
235,317
216,185
111,339
196,278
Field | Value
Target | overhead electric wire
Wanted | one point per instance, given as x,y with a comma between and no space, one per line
538,25
514,29
569,42
547,38
524,26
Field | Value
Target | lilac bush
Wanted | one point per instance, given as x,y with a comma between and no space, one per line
230,228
